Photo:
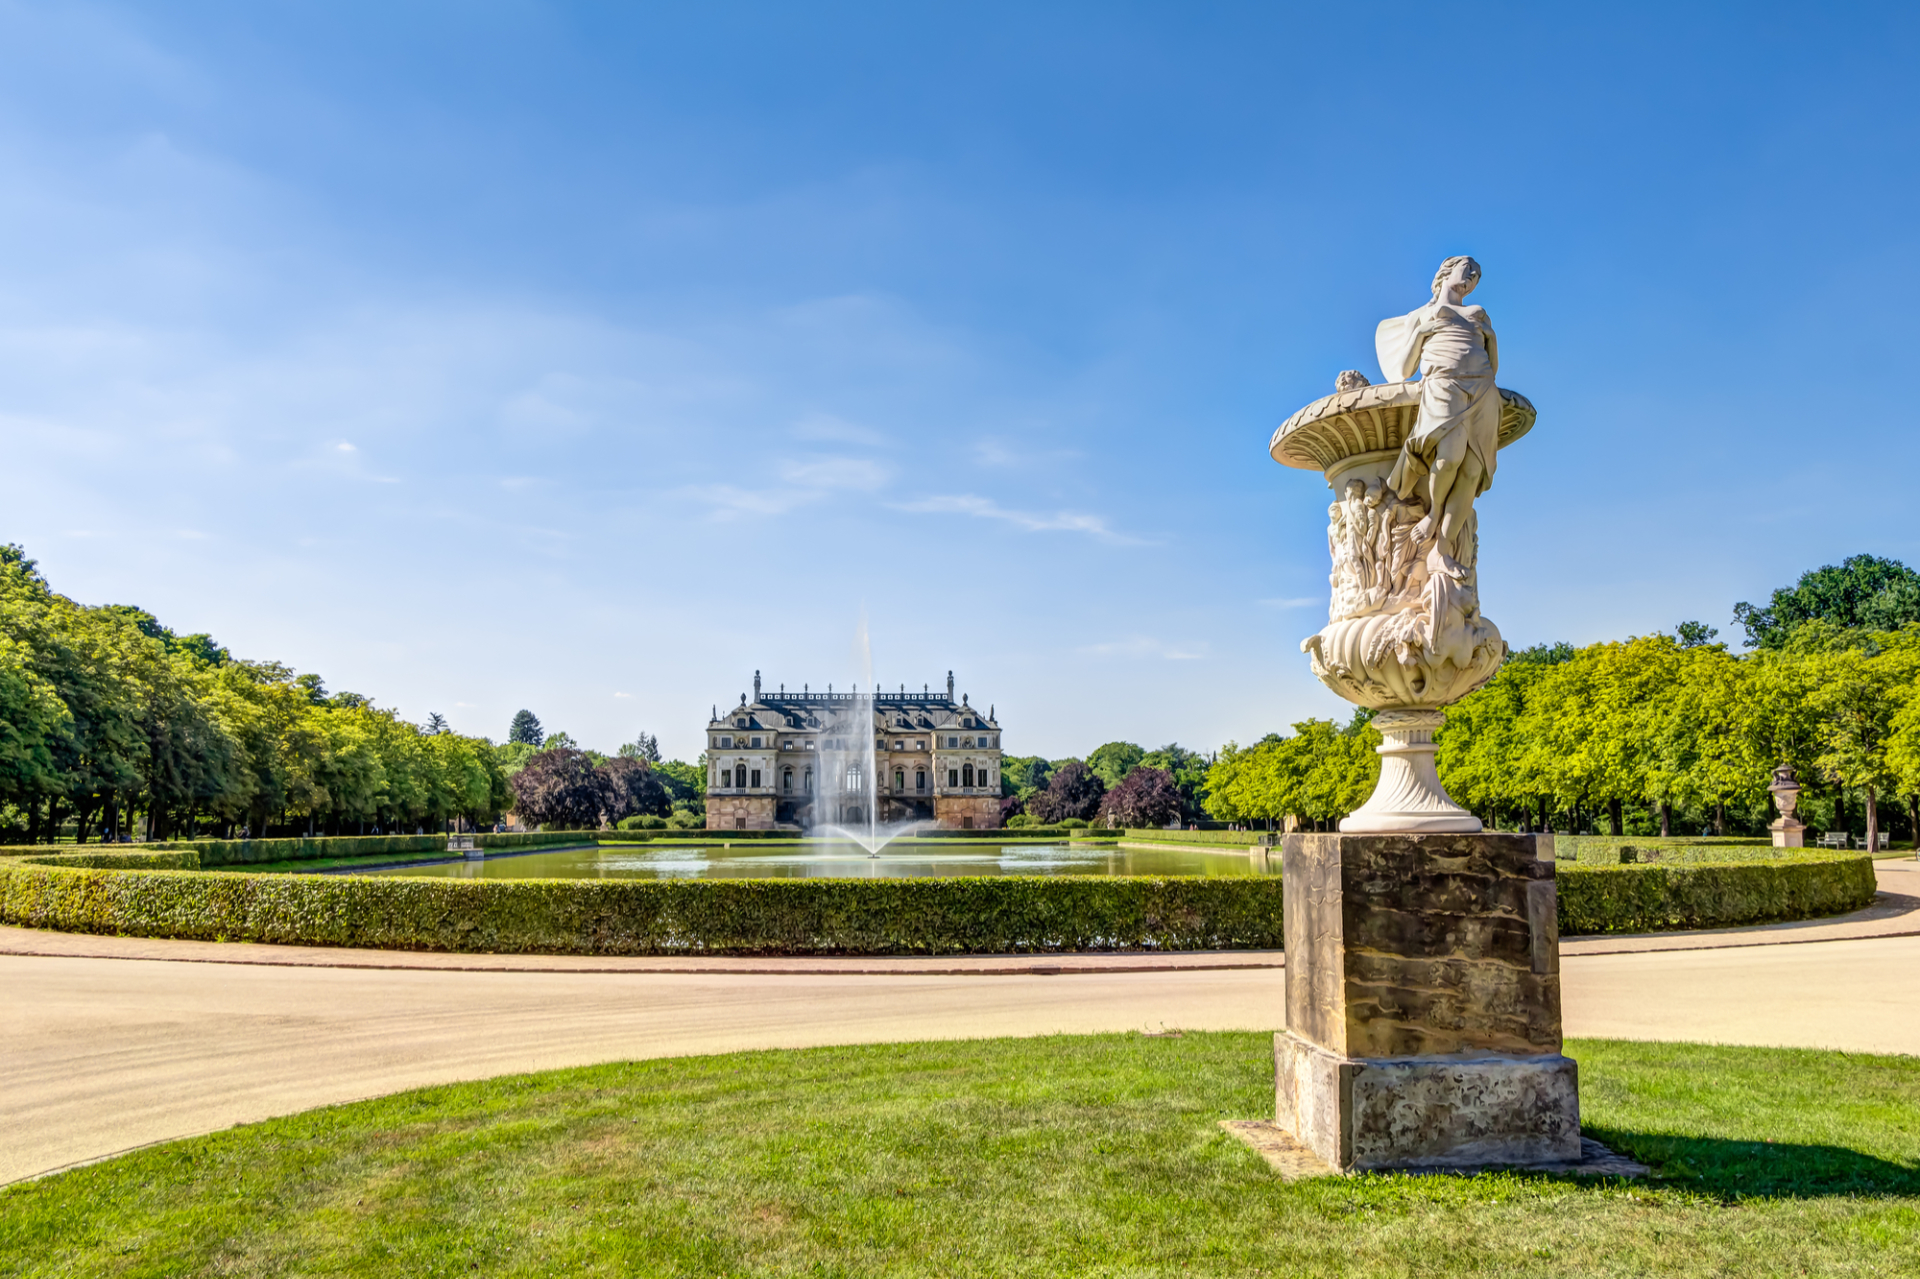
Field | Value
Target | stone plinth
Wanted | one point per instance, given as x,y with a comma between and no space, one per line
1423,1002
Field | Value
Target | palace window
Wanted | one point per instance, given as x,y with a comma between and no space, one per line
756,779
726,743
953,777
966,775
809,781
899,746
786,780
952,742
726,778
853,779
899,779
756,743
920,779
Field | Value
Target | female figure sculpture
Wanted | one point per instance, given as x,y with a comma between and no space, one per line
1448,458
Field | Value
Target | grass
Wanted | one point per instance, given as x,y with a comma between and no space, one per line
1094,1155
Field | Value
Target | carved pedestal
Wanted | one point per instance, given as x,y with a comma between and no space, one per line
1423,1002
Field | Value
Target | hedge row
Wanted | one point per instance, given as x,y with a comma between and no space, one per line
1234,839
657,917
1647,899
92,892
110,857
1607,849
996,832
240,852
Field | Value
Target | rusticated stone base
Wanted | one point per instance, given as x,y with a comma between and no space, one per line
1427,1112
740,812
967,812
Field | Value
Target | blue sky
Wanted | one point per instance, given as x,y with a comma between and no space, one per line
588,358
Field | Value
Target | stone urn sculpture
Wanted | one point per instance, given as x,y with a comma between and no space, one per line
1423,1020
1788,831
1405,460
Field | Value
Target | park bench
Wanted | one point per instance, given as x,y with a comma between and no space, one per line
1834,839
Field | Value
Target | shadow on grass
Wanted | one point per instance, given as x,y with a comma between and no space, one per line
1738,1169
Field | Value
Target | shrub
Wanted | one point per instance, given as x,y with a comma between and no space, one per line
1071,823
646,821
1018,820
644,917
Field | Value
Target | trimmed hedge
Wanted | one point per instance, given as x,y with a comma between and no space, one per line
1606,850
111,857
1234,839
996,915
1647,899
240,852
995,832
156,893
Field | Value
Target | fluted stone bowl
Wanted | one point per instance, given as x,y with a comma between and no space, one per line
1371,420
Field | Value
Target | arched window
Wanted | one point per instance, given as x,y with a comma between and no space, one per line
899,779
920,779
786,780
966,774
808,782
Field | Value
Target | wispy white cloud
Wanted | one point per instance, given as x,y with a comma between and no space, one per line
805,481
987,509
854,473
826,426
1145,646
993,451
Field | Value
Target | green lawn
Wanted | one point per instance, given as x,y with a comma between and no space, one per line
1093,1155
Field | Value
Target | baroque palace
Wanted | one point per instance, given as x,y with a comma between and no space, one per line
801,759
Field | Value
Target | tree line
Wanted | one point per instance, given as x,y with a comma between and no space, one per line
115,722
1119,784
1655,734
558,784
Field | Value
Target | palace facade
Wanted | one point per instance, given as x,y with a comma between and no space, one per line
799,760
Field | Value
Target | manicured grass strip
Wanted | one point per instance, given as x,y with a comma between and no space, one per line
1091,1155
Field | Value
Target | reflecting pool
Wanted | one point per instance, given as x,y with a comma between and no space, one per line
833,859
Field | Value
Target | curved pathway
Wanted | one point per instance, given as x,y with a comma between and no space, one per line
114,1043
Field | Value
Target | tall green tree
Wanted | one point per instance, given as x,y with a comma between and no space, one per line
1114,761
525,729
1862,591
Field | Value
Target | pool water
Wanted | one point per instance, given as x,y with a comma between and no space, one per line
835,859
